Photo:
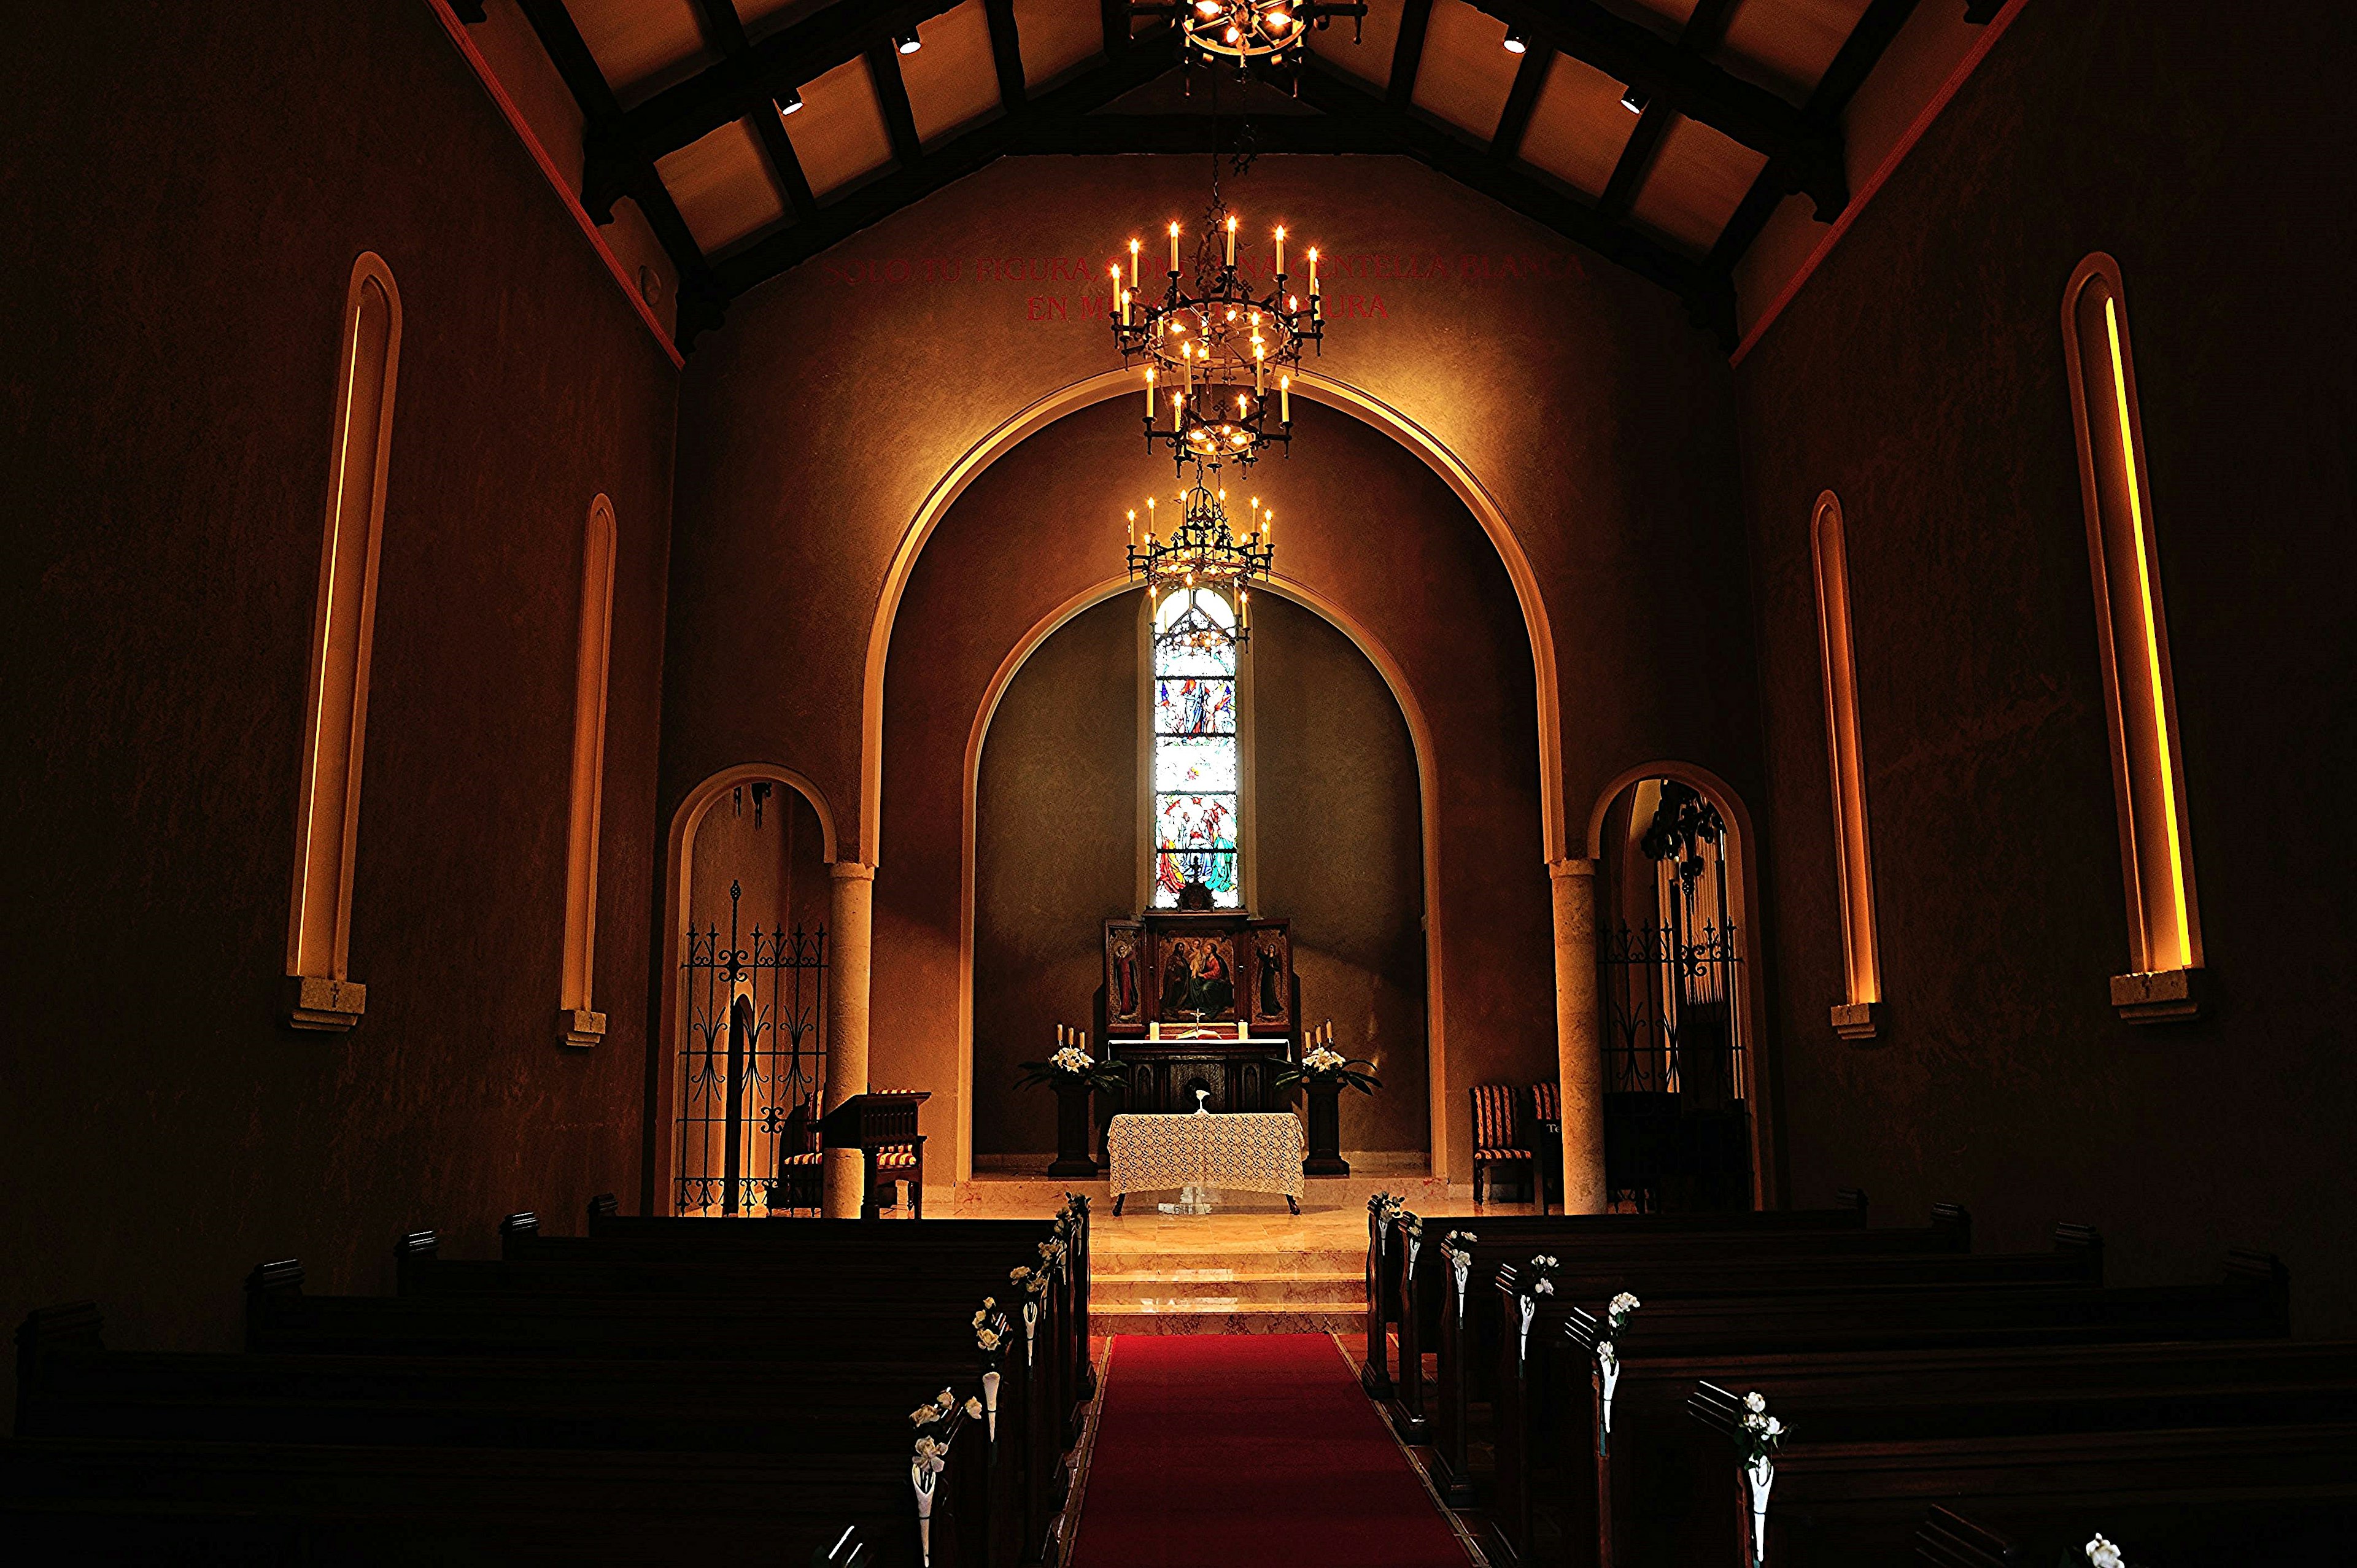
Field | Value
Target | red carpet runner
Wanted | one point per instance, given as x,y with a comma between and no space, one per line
1235,1450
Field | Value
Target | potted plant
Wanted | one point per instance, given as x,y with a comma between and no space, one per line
1325,1072
1077,1077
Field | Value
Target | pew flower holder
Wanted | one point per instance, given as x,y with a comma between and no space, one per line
2101,1554
1543,1284
1608,1363
1757,1436
925,1477
988,1333
1456,1249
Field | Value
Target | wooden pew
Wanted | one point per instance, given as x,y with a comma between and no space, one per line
1529,1341
1469,1321
1603,1482
1399,1240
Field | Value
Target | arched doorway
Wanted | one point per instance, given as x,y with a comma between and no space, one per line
740,1062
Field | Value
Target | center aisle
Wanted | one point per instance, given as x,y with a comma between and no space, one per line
1240,1449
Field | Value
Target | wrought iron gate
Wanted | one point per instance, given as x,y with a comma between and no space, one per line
1677,1124
752,1059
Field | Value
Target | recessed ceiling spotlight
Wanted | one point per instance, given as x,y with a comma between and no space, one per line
906,43
1635,99
789,101
1515,44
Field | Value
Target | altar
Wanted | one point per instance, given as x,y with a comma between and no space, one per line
1251,1152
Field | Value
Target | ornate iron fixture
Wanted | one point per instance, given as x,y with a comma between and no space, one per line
1204,554
1248,30
1215,350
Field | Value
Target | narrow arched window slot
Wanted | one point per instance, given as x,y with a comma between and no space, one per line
581,1023
320,991
1856,1016
2132,638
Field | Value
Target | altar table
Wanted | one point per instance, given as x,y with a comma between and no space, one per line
1257,1151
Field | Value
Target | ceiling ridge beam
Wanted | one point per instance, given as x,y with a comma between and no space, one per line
1091,133
892,97
779,63
785,248
1806,152
724,29
1005,51
1407,52
1514,120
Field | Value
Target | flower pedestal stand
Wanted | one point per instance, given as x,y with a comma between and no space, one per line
1075,1105
1324,1131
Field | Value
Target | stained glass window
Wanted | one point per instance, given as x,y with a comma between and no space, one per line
1197,760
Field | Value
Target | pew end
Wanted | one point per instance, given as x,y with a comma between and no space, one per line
516,1230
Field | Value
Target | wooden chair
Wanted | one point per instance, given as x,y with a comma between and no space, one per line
1497,1135
1546,1140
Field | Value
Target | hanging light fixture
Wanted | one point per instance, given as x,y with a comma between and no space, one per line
1220,358
1204,556
1277,31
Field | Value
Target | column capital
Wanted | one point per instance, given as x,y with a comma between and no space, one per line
1576,867
850,871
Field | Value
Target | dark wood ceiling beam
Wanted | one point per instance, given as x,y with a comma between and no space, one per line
779,64
1530,80
1705,30
701,298
1005,51
892,98
1288,134
1707,299
724,29
838,220
1114,16
1407,52
1806,152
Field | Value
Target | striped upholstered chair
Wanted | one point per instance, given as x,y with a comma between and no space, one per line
1498,1138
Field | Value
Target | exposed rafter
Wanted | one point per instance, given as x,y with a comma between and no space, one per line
724,29
1046,116
892,99
1709,300
1804,150
1407,52
1705,26
1198,134
700,292
1514,120
1005,51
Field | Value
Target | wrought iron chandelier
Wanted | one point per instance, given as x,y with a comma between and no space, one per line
1203,551
1214,350
1248,30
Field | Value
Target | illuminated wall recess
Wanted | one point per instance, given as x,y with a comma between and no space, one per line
320,992
2132,636
1858,1016
581,1024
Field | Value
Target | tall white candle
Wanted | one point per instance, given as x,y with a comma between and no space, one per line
1133,263
1232,242
1285,399
1174,249
1149,400
1313,272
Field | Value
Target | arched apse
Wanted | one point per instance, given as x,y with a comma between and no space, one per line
1376,543
1744,907
695,869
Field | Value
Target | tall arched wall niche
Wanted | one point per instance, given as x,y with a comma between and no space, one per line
817,422
1364,526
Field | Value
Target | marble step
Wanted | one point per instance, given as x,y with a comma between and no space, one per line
1211,1315
1339,1290
1104,1261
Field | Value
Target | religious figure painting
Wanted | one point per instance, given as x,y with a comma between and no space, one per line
1199,978
1124,996
1271,988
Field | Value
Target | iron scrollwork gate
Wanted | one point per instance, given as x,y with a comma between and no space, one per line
1677,1122
752,1059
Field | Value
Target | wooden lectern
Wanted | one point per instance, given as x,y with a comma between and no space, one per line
882,1125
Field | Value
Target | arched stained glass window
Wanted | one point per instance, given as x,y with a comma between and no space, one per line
1197,756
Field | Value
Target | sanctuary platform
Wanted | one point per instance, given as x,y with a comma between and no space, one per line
1248,1268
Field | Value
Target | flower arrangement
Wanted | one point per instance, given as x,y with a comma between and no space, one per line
1387,1207
1608,1357
1071,1066
2101,1554
937,1410
1758,1435
986,1331
1033,1281
1323,1066
1542,1265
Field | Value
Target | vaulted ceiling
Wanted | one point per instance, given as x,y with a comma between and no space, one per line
1659,133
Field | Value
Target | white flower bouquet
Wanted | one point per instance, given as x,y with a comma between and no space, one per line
2101,1554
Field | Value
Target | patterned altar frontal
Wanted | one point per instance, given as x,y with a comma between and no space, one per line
1254,1151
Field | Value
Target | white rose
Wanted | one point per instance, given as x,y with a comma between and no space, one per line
973,1409
1755,1401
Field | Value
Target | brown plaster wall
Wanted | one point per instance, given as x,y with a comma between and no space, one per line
818,420
185,194
1364,526
1921,375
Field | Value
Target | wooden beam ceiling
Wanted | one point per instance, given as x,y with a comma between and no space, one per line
725,31
1705,26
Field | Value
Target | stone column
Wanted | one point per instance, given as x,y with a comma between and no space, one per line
851,926
1579,1034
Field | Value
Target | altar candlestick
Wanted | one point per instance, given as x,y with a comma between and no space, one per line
1174,250
1280,250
